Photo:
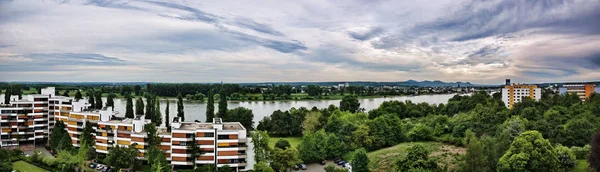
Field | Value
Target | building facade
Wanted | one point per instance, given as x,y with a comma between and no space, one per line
514,93
583,91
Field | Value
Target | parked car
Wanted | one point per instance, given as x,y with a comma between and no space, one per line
323,162
297,167
342,162
92,165
99,166
303,166
336,161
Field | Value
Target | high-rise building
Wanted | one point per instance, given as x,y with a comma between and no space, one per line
514,93
583,91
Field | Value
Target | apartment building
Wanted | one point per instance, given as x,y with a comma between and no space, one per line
222,143
514,93
28,121
583,91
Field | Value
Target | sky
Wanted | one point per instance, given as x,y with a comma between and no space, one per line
479,41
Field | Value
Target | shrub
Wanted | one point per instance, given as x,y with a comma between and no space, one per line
581,152
566,158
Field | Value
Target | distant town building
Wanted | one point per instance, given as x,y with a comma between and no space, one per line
514,93
583,91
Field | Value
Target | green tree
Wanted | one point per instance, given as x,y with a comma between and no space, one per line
594,157
260,139
475,159
91,100
566,158
65,142
242,115
160,164
282,144
312,122
121,156
86,134
138,90
150,107
194,148
57,133
578,132
139,106
350,103
167,118
129,107
284,159
98,98
109,100
78,96
262,167
529,152
420,132
329,168
210,107
157,117
417,158
222,113
180,107
360,163
312,148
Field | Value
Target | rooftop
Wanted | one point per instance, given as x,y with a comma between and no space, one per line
195,126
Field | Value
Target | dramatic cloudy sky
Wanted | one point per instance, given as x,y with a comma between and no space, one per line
481,41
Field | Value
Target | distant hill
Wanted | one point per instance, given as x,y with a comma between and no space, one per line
368,83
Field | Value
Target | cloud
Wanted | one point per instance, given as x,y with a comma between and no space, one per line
481,41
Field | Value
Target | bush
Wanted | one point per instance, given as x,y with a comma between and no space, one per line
420,132
581,152
566,158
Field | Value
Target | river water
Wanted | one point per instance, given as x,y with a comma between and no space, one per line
195,110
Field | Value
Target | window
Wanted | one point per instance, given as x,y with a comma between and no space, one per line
209,134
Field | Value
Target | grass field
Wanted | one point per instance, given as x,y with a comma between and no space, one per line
26,167
294,141
385,159
582,166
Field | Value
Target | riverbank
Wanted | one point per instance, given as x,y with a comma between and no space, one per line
254,97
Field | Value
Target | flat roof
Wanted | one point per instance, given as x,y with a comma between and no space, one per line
196,126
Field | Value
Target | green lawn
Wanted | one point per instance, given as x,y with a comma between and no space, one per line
294,141
582,166
385,159
26,167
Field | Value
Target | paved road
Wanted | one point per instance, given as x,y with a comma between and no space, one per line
41,149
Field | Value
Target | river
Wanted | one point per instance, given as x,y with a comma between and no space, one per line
195,110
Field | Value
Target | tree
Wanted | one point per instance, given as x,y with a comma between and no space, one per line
578,132
262,167
529,152
167,118
284,159
566,158
222,113
78,96
150,106
242,115
594,157
475,159
417,158
420,132
360,163
129,107
57,133
329,168
65,142
91,100
86,134
7,95
157,117
210,107
98,98
121,156
313,147
139,106
137,89
180,107
260,140
109,100
350,103
312,122
282,144
194,148
160,164
66,93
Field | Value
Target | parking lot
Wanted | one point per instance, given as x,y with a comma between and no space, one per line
316,167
